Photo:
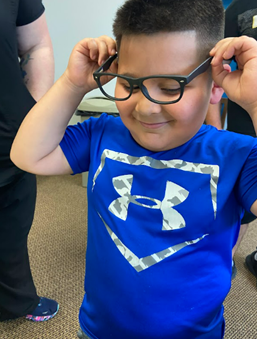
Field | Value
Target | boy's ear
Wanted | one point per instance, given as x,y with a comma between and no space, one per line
218,91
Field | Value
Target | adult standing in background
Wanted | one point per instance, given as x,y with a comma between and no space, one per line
26,73
241,19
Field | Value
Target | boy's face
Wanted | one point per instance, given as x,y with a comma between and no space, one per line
154,126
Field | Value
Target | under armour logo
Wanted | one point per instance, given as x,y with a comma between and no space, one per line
174,195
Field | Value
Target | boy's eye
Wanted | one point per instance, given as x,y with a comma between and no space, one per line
135,88
165,86
127,87
171,91
124,84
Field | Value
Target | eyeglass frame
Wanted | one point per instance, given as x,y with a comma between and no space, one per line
182,80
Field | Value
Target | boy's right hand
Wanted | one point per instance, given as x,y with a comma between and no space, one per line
86,57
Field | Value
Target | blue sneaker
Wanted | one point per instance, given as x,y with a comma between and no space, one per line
45,310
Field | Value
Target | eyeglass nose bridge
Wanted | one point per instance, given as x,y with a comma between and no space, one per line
142,87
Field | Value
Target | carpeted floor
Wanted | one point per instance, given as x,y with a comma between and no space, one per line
57,245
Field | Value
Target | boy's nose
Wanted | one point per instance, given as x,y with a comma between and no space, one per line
145,106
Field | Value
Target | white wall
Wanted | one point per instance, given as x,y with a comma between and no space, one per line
69,21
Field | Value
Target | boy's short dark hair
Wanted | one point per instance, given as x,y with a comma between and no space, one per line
205,17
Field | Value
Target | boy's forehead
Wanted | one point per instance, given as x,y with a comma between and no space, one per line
162,53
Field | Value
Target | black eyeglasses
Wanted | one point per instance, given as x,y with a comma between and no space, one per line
160,89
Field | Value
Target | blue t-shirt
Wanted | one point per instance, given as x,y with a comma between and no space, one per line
161,227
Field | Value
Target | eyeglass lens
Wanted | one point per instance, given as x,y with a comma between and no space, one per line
160,89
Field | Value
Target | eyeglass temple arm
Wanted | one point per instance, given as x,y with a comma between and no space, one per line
106,65
203,67
199,70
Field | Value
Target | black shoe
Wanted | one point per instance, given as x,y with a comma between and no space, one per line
251,263
234,270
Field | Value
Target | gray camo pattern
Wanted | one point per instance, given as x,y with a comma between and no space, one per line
141,264
174,195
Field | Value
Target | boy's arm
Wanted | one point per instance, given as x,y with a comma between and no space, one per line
240,85
36,146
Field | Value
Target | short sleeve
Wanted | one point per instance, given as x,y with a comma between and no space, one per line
76,146
29,11
80,140
246,188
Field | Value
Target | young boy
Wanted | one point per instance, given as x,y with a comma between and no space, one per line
165,192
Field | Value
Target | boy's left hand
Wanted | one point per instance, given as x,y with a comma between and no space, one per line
240,85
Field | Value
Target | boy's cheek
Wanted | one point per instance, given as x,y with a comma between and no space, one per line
125,107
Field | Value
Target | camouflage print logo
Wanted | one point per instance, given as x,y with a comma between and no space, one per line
174,195
211,170
141,264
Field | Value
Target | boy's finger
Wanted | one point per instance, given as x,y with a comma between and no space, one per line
103,51
220,72
101,48
107,48
111,44
218,52
93,49
244,48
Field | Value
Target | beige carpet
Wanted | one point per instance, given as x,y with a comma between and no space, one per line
57,245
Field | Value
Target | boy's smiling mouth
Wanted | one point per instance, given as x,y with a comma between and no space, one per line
153,125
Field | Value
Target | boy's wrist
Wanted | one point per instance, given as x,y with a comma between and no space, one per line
252,110
75,90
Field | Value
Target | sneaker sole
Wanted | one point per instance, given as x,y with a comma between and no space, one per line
41,318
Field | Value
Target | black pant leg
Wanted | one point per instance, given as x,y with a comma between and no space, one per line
18,294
